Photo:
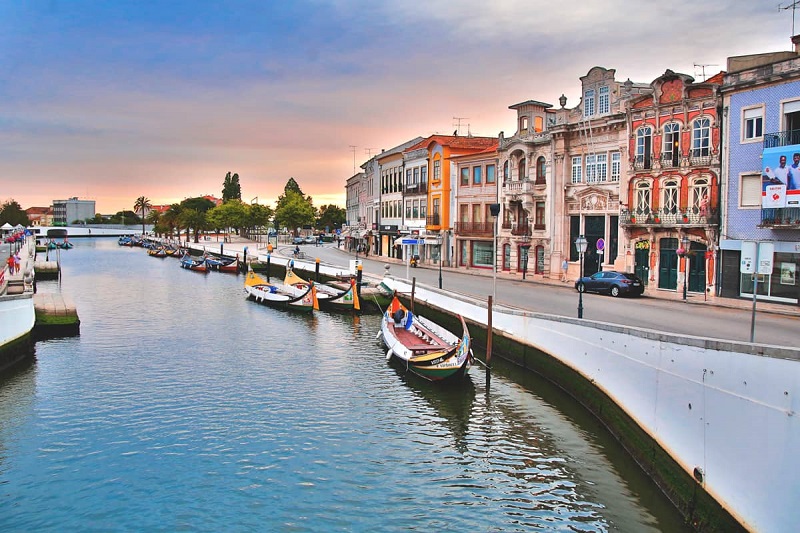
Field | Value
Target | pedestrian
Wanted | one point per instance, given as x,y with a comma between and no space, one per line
10,263
564,268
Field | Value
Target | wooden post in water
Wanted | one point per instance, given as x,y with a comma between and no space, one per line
413,289
489,336
359,276
269,264
316,270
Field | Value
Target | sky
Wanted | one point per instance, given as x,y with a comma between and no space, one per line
113,100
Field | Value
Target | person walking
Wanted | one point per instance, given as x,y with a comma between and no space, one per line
564,268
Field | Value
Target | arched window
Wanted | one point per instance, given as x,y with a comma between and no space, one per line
539,258
701,137
523,124
538,124
642,199
541,178
644,147
505,171
699,195
669,197
671,152
506,257
522,170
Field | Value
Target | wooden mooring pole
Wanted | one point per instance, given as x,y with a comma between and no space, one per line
413,289
489,335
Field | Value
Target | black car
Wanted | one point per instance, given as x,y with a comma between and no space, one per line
613,283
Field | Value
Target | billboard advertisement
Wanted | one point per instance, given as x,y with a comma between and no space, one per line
780,177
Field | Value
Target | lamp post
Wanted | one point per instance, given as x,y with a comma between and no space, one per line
580,244
441,239
494,210
685,245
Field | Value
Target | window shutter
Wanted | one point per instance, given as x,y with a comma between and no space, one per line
751,191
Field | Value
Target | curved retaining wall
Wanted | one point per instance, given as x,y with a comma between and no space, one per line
695,413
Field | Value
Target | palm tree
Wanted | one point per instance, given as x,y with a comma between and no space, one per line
142,205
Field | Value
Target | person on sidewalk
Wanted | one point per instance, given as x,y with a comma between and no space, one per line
564,267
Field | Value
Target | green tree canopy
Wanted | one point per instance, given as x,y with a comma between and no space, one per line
198,204
12,213
231,214
331,216
294,211
195,220
231,190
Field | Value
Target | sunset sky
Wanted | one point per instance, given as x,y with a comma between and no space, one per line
112,100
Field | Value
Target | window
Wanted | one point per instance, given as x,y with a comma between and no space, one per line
671,151
701,136
415,213
477,209
476,175
490,170
753,127
577,169
463,213
616,166
540,170
669,197
408,208
522,170
591,175
436,203
642,198
539,215
482,254
505,171
437,170
506,257
423,209
601,167
416,175
408,177
465,176
750,190
644,139
603,103
523,124
588,103
423,174
538,124
698,191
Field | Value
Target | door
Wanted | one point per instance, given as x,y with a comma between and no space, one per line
642,261
697,268
668,264
595,228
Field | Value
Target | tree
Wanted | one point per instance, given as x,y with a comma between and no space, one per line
258,216
12,213
142,205
231,190
154,218
330,217
171,219
294,211
194,220
231,214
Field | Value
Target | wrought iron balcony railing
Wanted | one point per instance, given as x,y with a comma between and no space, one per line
781,138
780,218
474,228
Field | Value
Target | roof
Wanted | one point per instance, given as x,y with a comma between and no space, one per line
530,102
457,142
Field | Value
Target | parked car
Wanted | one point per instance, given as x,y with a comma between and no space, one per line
298,240
310,239
610,282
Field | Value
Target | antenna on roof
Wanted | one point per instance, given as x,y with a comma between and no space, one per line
703,68
353,149
368,151
791,6
458,123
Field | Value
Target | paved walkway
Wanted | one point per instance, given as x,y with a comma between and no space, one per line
237,244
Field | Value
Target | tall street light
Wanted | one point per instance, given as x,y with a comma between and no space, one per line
581,243
685,245
494,210
441,240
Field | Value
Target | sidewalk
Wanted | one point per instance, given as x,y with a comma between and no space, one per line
237,244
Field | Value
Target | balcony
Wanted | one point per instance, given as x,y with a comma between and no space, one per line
780,218
416,188
474,228
781,138
670,160
432,220
522,229
643,162
699,159
690,217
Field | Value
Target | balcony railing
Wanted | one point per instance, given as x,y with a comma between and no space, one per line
670,160
421,187
474,228
692,216
699,159
781,138
643,162
432,220
780,217
521,229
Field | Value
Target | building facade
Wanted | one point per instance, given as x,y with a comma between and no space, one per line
66,212
761,96
671,216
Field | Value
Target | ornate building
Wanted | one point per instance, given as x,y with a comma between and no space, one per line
670,219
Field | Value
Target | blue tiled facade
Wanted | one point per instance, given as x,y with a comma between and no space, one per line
745,158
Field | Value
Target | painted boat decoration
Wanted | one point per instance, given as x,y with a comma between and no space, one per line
424,347
277,295
329,298
194,263
222,264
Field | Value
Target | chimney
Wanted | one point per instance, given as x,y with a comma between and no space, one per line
796,43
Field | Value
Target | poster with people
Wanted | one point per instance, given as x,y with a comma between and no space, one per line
780,178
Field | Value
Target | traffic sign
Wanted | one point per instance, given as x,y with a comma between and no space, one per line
601,243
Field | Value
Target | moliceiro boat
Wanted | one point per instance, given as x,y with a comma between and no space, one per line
277,295
329,298
424,347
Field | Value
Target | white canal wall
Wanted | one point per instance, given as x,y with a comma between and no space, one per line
728,410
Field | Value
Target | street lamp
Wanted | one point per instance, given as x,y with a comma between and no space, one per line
685,247
494,210
581,243
441,239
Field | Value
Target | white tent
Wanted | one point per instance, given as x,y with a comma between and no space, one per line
6,228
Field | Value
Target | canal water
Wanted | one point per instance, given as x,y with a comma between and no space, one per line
184,407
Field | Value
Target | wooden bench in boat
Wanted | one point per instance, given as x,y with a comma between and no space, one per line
424,342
